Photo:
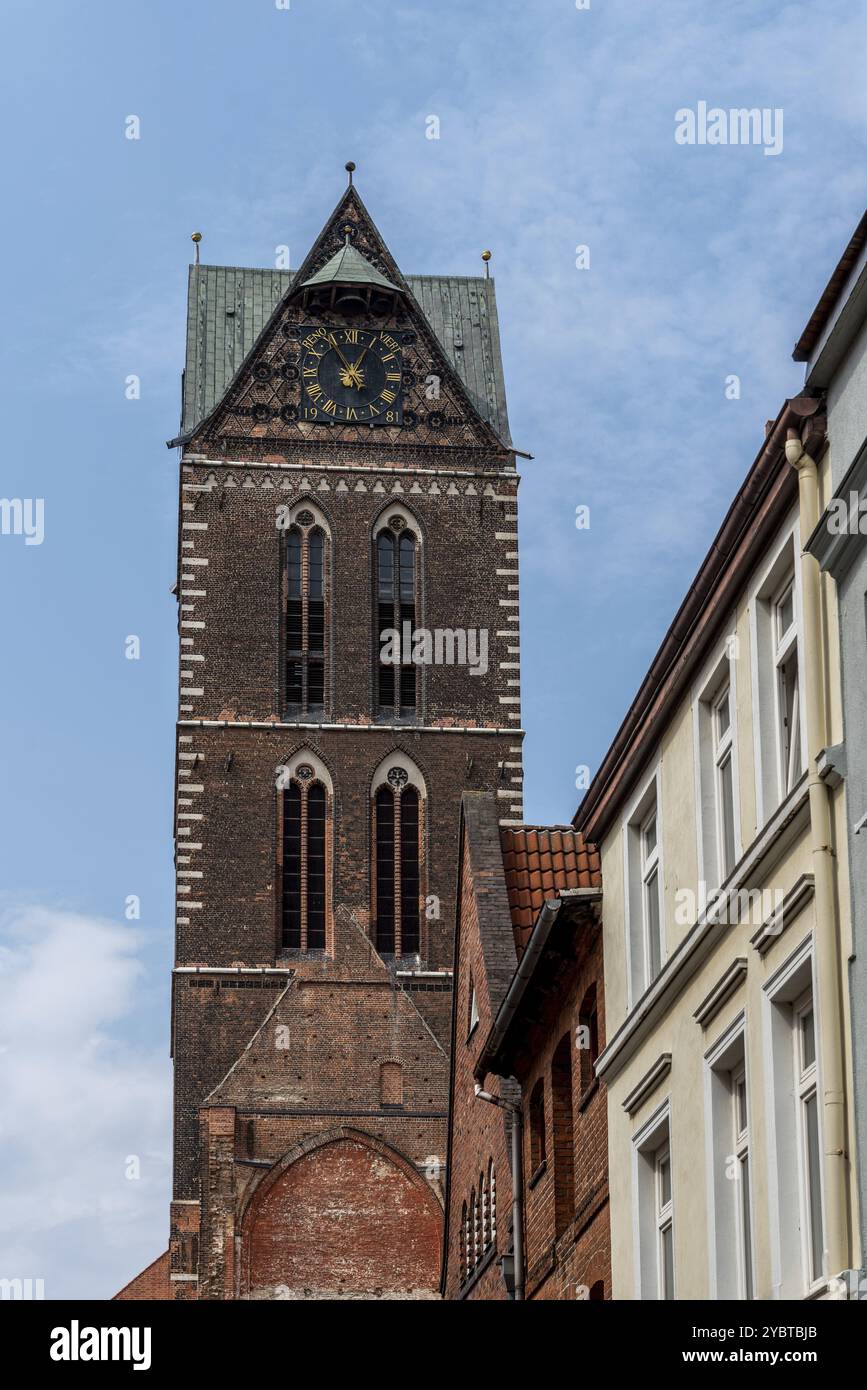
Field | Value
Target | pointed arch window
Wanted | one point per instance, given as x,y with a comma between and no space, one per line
397,837
304,844
305,585
397,586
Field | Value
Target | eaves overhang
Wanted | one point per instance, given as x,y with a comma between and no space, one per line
820,323
566,902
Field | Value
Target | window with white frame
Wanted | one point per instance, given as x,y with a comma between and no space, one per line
778,722
804,1032
664,1223
716,771
730,1166
796,1131
741,1178
644,892
650,896
785,636
723,757
655,1202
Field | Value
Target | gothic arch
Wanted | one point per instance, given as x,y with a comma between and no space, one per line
301,747
398,853
391,607
307,639
287,767
396,507
308,501
304,857
291,1239
399,758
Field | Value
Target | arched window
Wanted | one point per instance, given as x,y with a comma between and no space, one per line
396,583
474,1231
538,1153
304,853
465,1227
561,1122
492,1204
397,839
305,587
597,1292
588,1038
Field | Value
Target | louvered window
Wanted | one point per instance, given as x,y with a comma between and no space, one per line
397,839
305,600
304,863
396,613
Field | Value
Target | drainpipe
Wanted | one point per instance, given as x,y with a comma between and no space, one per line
827,936
517,1183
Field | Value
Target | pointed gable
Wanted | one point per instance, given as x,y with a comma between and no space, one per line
263,400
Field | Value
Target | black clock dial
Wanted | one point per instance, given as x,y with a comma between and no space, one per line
351,375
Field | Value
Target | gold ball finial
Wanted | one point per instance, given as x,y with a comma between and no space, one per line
350,169
486,255
196,237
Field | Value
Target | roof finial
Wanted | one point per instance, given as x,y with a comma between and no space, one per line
196,237
350,169
486,257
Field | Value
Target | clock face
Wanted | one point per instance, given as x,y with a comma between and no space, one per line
351,375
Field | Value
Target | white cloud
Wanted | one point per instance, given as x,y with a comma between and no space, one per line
76,1101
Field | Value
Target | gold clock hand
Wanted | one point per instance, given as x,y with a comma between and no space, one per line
333,341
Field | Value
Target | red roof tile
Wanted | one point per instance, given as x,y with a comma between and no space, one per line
540,862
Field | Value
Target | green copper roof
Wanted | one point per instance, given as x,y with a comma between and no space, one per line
228,306
349,267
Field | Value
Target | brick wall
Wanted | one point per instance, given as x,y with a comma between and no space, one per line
564,1267
151,1284
480,1132
347,1218
227,803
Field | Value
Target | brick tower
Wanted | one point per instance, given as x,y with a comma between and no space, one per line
349,659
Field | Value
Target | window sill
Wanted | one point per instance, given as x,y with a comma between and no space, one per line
537,1175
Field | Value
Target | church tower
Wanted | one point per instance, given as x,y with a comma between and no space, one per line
349,666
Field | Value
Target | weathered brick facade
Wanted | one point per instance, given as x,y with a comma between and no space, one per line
534,893
575,1263
479,1134
311,1086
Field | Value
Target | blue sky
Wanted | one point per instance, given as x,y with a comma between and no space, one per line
556,130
